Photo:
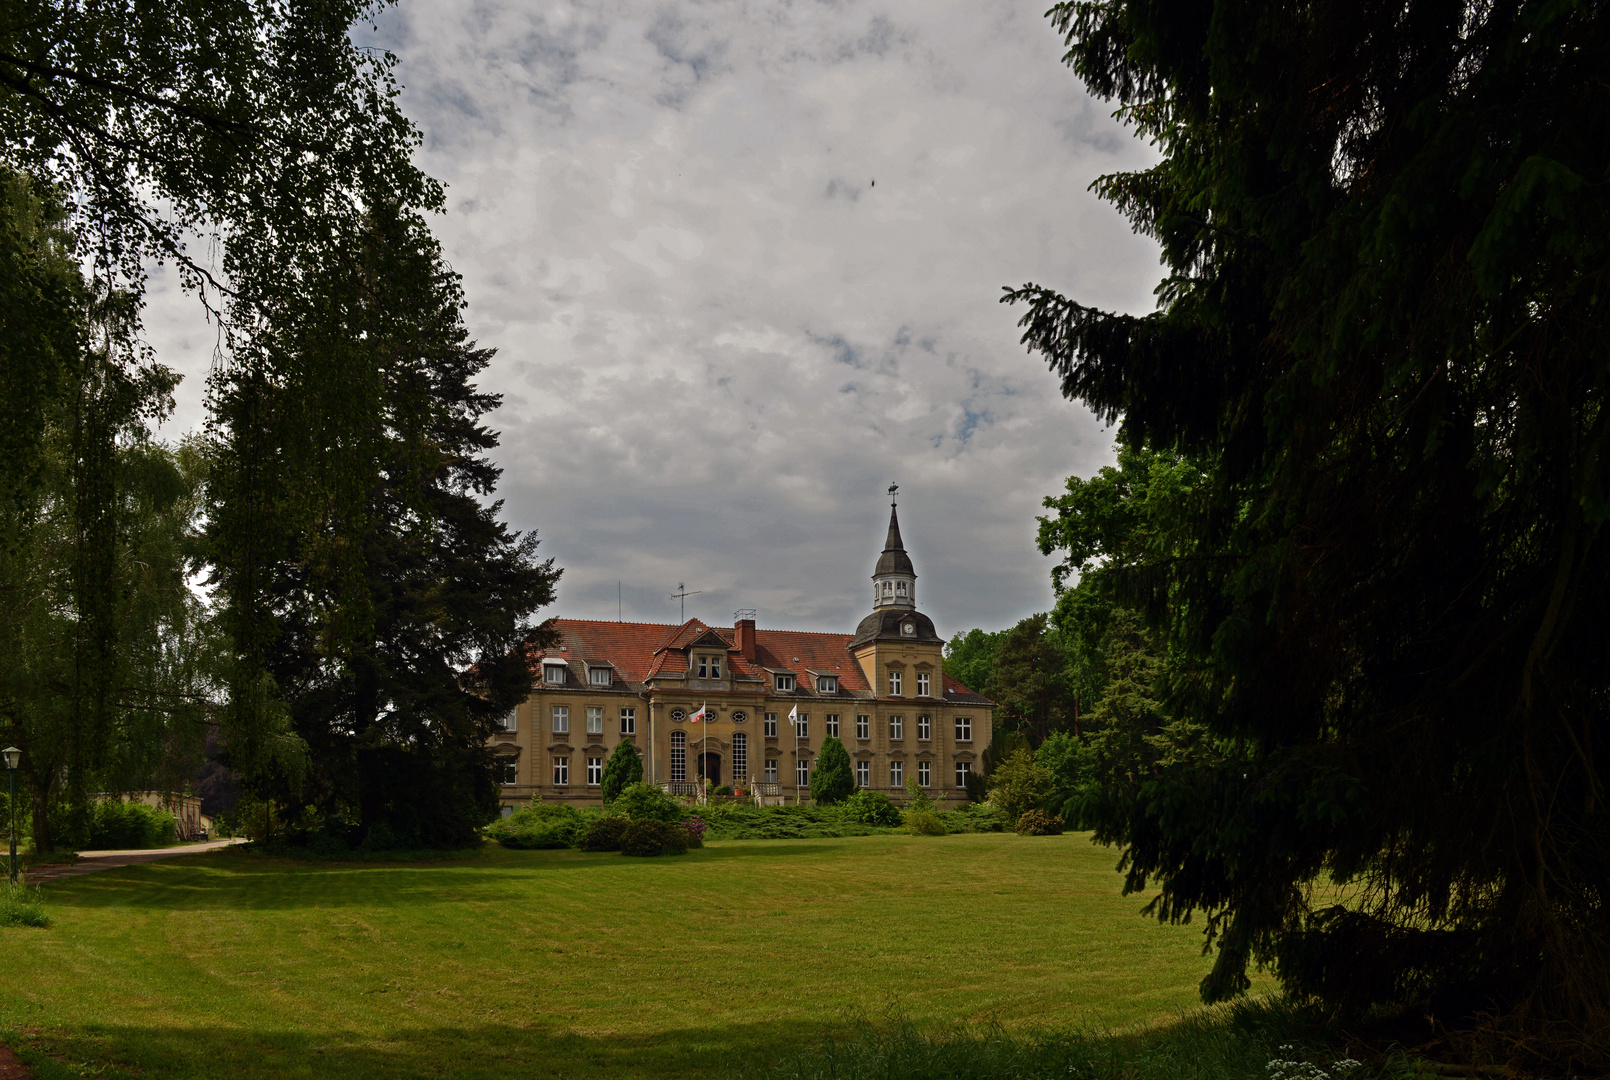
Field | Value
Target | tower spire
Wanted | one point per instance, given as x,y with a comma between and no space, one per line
894,578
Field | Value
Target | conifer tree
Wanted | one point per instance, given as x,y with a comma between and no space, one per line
623,769
832,779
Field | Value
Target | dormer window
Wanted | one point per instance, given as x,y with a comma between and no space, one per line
784,683
709,667
827,684
600,676
553,672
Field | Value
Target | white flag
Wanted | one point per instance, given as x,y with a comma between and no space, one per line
793,716
702,714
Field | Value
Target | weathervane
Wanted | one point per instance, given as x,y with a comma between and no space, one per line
893,489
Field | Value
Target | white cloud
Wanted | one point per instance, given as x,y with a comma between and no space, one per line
741,264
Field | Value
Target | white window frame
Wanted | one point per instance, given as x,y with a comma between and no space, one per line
896,679
925,774
827,684
863,726
769,728
783,683
897,774
802,773
863,774
925,682
600,676
561,719
629,721
832,722
508,770
595,719
709,667
964,729
897,727
740,757
553,673
963,770
561,772
595,771
925,727
802,726
509,720
771,770
679,756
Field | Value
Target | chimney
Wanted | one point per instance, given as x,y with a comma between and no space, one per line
744,632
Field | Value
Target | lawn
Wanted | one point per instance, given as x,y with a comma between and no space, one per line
566,964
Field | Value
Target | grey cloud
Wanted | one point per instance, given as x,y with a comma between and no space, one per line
717,344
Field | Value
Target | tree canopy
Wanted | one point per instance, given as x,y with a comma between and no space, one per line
1381,339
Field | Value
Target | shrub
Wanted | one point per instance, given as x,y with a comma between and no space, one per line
603,835
975,818
623,769
649,837
831,780
1038,823
21,905
924,823
695,827
871,808
540,825
645,802
121,825
1019,784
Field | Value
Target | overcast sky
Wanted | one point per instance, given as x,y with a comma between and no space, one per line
741,263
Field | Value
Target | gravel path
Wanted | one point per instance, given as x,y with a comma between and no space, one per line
91,861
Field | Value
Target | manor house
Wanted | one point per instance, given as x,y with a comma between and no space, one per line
746,706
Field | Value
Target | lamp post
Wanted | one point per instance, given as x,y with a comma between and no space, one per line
13,755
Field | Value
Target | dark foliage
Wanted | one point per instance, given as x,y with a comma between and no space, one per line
623,769
604,834
392,618
832,780
1382,338
871,808
650,837
1038,823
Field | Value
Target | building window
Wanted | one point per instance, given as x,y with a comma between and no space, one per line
888,588
863,774
827,684
508,770
771,725
785,683
595,771
962,769
925,727
595,719
897,774
679,755
600,676
553,674
561,719
897,727
740,757
771,770
709,667
924,681
925,773
964,729
561,771
894,683
506,721
802,773
628,721
833,724
863,727
802,726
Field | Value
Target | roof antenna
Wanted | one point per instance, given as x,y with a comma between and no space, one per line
618,610
682,594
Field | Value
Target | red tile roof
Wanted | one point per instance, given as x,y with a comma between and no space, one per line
639,651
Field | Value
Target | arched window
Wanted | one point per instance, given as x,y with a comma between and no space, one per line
888,588
900,588
740,757
679,755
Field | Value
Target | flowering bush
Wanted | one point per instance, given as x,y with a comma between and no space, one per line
696,827
1286,1067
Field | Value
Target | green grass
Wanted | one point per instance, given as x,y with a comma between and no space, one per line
566,964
